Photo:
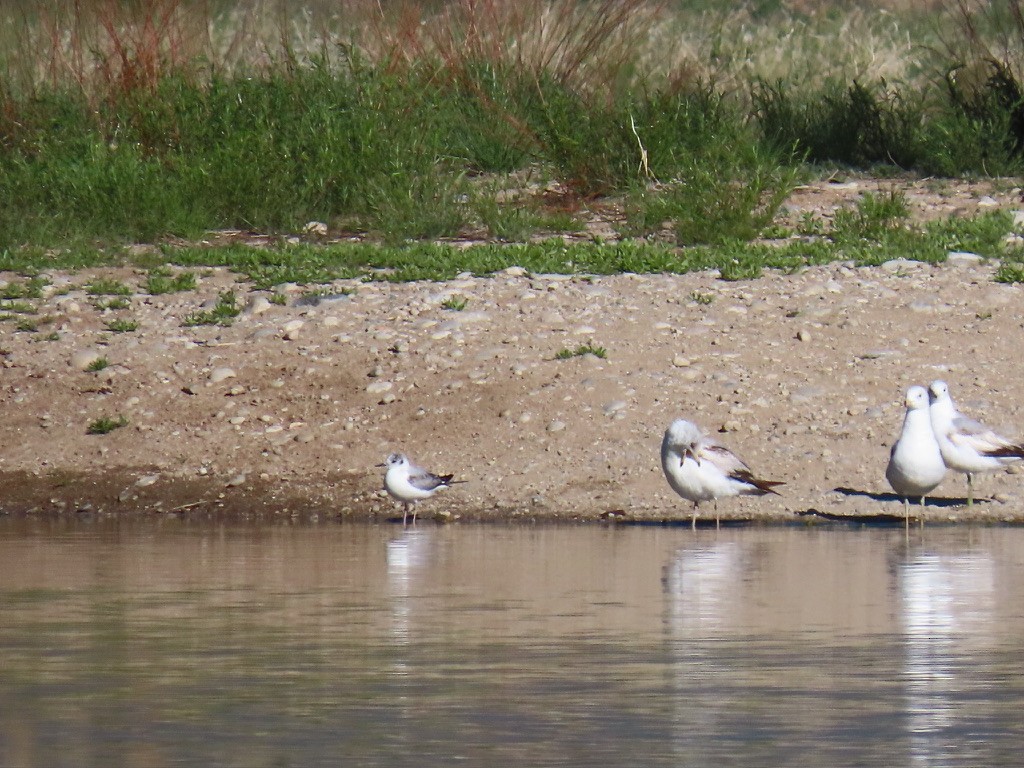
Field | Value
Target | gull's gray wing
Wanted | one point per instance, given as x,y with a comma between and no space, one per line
732,466
974,434
427,481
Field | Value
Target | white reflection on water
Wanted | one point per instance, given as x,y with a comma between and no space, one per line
948,613
408,557
701,584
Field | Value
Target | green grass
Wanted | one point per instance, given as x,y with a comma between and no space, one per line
160,281
415,132
580,351
104,286
97,365
20,307
121,325
225,310
455,303
105,424
119,302
398,151
31,288
872,231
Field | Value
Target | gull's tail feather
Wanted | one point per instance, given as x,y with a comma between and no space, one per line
1007,452
763,486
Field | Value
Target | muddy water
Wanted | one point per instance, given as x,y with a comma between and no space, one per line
163,644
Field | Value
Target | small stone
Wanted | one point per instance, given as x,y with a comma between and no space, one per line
218,375
146,480
732,425
556,426
899,265
514,272
378,387
317,228
610,409
236,420
83,358
236,481
963,258
291,329
803,335
681,362
258,305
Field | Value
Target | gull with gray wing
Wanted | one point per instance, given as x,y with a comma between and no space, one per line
700,469
967,445
408,483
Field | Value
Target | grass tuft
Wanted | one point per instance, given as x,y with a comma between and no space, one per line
103,286
225,310
122,326
104,425
160,281
580,351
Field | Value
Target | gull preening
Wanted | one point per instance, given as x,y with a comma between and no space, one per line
408,483
966,445
700,469
915,465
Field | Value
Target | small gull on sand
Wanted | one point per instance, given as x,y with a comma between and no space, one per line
408,483
967,445
915,463
700,469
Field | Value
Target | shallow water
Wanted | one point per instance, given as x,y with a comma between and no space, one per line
157,644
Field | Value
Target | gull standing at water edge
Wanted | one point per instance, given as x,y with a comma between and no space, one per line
408,483
915,463
966,445
700,469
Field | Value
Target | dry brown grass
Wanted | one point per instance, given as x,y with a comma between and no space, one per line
111,45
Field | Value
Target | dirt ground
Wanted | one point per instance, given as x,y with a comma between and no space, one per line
285,413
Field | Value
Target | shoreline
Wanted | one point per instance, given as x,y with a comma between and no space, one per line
117,495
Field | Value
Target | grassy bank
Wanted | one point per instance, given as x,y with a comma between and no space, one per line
688,127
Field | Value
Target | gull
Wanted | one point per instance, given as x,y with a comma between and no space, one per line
700,469
408,483
915,463
967,445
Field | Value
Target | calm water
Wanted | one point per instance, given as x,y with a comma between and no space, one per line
165,644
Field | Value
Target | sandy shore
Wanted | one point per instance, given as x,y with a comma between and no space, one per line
285,412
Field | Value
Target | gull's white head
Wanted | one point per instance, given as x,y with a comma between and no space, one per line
395,460
683,437
917,398
938,390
